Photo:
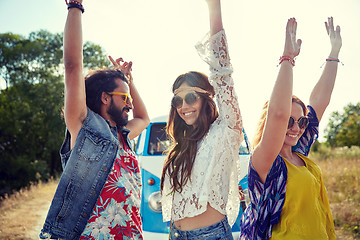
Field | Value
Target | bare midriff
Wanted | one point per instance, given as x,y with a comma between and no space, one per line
208,218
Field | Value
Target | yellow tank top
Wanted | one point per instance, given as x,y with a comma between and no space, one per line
306,212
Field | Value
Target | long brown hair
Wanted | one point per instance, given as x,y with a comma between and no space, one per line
263,117
182,152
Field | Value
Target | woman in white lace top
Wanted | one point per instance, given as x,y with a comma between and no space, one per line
201,173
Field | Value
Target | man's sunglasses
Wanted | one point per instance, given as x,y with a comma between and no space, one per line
190,99
125,96
303,122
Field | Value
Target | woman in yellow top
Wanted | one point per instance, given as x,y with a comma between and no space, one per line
287,192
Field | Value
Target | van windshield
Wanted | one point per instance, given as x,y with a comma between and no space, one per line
158,140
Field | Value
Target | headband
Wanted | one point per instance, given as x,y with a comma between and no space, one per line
189,89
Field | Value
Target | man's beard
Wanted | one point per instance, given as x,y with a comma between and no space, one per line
117,115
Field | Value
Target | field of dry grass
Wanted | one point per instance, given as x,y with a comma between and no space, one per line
341,171
23,213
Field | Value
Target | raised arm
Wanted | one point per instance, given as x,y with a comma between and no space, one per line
140,116
75,99
213,49
279,107
321,94
215,16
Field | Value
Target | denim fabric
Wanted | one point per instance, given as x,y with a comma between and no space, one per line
217,231
85,171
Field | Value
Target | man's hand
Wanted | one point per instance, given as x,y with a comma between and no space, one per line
123,66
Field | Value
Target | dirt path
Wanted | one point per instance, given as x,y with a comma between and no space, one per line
23,214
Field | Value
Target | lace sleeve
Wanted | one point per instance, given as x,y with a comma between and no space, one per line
214,51
310,135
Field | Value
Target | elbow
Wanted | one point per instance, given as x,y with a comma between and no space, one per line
279,114
72,65
143,120
320,100
147,121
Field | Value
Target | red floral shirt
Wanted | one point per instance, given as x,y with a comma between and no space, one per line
117,212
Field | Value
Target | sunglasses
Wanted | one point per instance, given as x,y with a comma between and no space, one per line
125,96
303,122
190,98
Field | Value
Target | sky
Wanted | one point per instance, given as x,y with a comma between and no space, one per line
159,37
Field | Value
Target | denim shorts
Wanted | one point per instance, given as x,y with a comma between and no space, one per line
217,231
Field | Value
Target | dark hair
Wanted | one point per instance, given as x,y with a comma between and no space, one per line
99,81
182,153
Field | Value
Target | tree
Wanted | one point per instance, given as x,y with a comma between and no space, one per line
31,124
344,128
38,57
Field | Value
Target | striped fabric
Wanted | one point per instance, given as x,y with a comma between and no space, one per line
267,200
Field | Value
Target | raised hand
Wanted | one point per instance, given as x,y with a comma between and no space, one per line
123,66
292,46
335,37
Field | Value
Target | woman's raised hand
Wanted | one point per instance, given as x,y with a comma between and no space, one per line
335,37
292,45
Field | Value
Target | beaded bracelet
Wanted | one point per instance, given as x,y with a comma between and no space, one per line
290,59
73,1
332,60
76,2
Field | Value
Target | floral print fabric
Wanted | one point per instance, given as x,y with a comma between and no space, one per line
117,211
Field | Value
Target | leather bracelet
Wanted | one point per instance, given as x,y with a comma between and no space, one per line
74,5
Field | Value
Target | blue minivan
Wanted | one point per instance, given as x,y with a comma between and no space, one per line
149,149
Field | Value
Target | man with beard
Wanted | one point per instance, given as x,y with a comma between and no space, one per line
98,196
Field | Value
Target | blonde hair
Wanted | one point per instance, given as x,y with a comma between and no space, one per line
261,123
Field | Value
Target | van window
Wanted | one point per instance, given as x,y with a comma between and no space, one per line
158,139
244,148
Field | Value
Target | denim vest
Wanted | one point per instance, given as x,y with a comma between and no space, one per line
85,171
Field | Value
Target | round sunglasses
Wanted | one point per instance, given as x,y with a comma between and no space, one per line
303,122
190,98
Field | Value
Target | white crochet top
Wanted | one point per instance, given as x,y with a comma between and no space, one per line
216,170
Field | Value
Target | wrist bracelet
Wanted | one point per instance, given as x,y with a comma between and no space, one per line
75,4
290,59
73,1
332,60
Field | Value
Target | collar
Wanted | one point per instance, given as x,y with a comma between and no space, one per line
123,131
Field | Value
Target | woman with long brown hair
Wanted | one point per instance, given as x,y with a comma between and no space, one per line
287,192
201,173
